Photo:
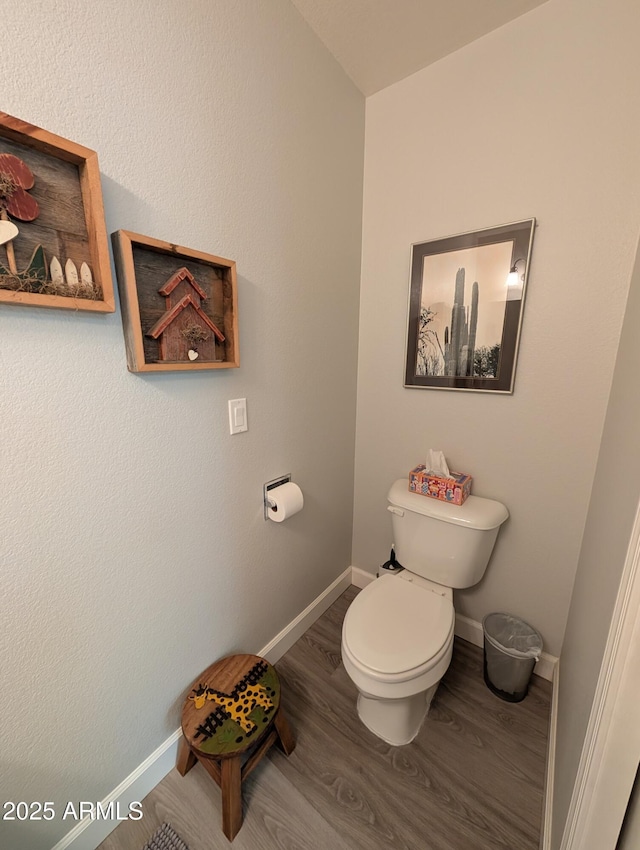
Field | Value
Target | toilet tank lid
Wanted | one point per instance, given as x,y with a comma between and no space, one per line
476,512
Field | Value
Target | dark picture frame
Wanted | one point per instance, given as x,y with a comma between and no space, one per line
466,301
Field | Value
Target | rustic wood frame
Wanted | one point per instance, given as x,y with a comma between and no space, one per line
33,138
138,320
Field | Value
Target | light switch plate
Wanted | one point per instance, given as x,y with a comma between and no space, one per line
238,415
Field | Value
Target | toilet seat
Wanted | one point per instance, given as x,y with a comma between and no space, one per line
395,630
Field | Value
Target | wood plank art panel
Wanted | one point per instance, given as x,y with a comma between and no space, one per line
179,306
53,241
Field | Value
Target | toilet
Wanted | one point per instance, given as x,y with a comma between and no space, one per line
397,635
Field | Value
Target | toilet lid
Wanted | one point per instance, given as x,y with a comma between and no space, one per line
394,625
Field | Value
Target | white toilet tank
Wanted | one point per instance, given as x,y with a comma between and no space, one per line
448,544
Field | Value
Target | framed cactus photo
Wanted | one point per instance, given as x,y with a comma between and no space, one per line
53,240
466,301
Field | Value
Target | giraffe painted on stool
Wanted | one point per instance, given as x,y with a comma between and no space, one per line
239,705
236,705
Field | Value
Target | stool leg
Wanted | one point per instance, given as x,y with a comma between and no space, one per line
285,735
186,758
231,796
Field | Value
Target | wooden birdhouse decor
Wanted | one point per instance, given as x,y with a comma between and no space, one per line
53,239
179,306
185,330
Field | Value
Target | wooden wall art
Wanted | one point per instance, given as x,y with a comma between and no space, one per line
179,307
53,240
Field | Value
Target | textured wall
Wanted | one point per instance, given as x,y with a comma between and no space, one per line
612,512
133,545
536,119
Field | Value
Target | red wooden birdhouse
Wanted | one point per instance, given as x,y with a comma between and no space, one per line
184,331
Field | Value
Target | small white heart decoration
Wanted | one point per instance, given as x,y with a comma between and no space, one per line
192,355
8,231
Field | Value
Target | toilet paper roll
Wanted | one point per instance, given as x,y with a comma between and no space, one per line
287,500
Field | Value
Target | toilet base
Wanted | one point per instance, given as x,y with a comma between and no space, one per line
395,721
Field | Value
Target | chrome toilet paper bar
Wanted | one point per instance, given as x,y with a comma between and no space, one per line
270,485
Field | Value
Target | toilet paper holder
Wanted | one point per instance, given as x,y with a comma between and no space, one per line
271,485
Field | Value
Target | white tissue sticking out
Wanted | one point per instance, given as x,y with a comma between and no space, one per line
436,464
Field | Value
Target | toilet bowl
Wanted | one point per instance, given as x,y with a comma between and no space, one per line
397,640
397,635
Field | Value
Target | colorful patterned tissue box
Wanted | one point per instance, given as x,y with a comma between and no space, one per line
454,489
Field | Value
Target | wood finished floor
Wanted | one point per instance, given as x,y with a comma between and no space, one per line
472,779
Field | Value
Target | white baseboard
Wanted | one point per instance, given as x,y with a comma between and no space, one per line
88,834
547,811
283,641
361,578
471,631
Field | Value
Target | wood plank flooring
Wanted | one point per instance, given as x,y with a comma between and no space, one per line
472,779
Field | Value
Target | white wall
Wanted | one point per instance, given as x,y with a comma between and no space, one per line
536,119
133,546
612,511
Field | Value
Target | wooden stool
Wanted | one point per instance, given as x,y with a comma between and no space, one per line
233,711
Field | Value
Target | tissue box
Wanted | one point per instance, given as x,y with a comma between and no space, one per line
454,489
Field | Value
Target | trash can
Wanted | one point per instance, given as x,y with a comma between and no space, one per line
511,649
